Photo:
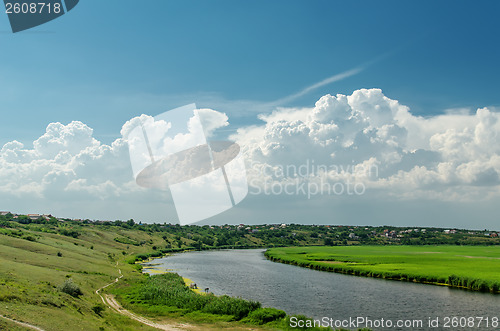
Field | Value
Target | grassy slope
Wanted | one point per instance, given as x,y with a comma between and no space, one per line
479,266
31,271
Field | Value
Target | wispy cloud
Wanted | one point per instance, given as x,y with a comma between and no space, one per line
332,79
326,81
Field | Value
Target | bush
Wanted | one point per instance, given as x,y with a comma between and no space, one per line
98,308
226,305
169,290
127,241
70,288
265,315
141,257
69,233
30,238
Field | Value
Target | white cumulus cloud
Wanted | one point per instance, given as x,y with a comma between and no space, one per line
363,138
453,156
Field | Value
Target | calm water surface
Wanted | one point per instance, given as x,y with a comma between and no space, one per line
248,274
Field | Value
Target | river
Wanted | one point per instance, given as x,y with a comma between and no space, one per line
248,274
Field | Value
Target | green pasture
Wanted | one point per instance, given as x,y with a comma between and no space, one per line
36,260
472,267
34,265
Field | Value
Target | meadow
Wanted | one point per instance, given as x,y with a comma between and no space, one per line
50,270
38,262
469,267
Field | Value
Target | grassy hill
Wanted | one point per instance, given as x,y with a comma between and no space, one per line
36,260
50,270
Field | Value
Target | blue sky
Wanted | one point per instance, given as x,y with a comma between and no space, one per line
108,61
87,64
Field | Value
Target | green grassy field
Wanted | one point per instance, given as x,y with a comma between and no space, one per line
37,259
33,270
470,267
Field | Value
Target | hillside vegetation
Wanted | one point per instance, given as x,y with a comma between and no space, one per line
50,270
49,273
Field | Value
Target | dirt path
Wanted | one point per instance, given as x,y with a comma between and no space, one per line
23,324
30,326
111,302
162,326
101,288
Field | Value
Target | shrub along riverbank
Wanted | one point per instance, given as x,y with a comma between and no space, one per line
474,268
167,295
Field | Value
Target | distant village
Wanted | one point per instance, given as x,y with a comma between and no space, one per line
330,234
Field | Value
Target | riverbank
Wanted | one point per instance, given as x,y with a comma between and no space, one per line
475,268
167,295
51,270
248,274
41,258
151,269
